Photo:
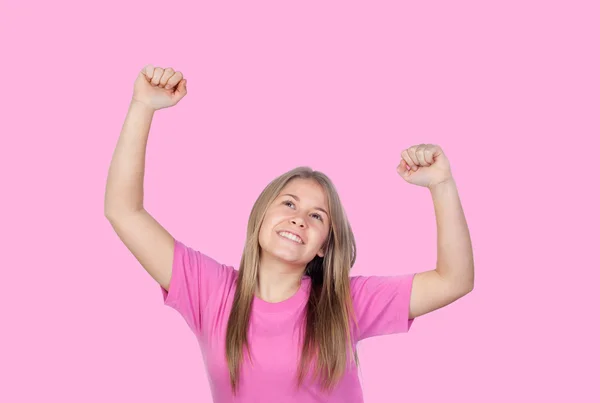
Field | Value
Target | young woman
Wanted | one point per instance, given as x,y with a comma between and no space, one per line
284,327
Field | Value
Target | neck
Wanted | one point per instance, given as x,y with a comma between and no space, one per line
277,280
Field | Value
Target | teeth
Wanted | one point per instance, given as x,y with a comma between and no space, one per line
290,236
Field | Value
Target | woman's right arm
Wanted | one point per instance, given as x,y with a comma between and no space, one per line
145,238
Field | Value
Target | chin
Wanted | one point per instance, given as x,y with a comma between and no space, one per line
284,254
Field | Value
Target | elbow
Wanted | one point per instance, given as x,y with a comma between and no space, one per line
466,286
470,286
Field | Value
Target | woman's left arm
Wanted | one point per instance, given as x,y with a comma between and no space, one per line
454,275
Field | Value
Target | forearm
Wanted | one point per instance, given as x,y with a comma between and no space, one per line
125,182
454,250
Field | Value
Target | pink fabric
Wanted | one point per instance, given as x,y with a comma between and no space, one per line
202,291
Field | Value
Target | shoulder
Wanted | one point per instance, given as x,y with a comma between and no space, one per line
203,270
365,286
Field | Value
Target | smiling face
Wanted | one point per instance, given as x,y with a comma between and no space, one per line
301,208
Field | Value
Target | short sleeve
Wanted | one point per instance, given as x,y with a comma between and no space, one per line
381,304
195,277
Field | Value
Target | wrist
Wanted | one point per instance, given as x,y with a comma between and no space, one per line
443,184
135,103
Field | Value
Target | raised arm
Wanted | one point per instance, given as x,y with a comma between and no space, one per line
150,243
454,276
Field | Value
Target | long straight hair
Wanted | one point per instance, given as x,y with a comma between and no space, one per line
327,336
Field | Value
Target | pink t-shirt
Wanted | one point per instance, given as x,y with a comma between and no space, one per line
202,291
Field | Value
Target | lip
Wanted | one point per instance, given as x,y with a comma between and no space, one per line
292,232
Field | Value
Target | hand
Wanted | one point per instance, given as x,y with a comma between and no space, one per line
159,88
424,165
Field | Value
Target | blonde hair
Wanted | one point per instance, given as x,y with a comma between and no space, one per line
327,338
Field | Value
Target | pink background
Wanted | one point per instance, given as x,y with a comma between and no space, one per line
509,90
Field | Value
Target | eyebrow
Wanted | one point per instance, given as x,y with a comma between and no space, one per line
298,199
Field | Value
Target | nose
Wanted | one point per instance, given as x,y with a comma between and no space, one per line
298,221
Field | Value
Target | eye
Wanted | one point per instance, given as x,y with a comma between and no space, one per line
287,202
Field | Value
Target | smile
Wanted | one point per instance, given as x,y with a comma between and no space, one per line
290,237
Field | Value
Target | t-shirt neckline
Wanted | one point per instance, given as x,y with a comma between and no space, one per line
288,304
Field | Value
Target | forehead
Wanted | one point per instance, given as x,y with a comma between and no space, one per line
309,191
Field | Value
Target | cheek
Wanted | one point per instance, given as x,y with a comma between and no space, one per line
320,236
262,238
266,228
274,219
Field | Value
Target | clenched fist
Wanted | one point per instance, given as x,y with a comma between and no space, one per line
159,88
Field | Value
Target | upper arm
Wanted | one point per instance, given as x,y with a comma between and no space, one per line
431,291
148,241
